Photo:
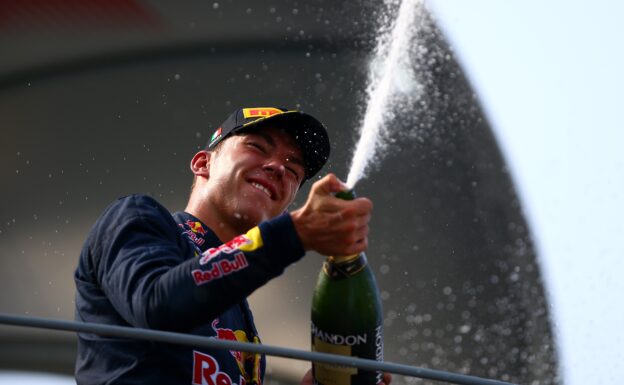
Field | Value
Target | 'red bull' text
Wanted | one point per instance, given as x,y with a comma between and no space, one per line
220,269
206,371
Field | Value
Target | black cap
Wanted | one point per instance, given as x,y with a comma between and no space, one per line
309,133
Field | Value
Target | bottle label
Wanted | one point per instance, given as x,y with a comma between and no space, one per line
363,345
341,270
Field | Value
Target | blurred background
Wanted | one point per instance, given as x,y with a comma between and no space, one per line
494,237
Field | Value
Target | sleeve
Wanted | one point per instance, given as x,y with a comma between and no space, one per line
146,273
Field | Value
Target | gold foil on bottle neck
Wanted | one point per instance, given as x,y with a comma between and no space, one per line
342,259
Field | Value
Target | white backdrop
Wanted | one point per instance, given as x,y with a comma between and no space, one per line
549,75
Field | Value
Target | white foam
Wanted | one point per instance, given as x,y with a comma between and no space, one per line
391,76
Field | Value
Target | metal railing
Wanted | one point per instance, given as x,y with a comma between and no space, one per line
211,342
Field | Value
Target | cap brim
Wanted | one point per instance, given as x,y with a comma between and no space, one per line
310,134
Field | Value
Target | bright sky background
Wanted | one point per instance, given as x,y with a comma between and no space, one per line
549,75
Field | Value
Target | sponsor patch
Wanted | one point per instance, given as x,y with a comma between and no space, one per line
220,268
196,227
226,248
260,112
251,374
247,242
256,240
216,135
194,231
232,335
206,371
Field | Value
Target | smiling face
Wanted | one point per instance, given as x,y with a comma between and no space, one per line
253,177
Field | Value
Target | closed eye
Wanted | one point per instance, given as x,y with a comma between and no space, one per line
294,172
258,146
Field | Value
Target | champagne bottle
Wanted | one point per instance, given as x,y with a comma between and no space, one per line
346,318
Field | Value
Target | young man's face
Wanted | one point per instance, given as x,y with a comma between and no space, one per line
255,176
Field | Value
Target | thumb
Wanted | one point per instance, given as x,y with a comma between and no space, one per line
329,184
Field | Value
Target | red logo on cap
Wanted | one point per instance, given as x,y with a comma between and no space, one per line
260,112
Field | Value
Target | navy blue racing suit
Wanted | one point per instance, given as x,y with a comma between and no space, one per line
141,266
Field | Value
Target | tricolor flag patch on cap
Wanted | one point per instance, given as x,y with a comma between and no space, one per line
216,135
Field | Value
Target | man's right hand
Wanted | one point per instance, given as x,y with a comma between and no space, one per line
330,225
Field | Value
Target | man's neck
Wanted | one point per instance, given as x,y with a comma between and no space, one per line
213,220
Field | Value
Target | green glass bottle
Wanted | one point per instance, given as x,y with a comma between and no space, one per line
346,318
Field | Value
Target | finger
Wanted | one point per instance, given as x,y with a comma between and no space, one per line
328,184
360,206
307,378
365,204
345,225
361,233
348,211
361,245
356,247
337,217
387,379
363,220
352,211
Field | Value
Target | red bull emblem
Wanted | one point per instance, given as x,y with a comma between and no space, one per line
231,335
260,112
196,227
195,231
249,374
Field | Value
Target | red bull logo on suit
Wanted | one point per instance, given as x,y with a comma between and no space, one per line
206,368
231,335
220,269
195,231
206,371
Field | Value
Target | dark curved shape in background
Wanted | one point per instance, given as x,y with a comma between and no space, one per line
449,245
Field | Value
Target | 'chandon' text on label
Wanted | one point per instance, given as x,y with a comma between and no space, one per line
338,339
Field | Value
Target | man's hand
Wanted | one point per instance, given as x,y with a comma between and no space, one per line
308,379
330,225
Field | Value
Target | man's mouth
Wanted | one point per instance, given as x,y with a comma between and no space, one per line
263,189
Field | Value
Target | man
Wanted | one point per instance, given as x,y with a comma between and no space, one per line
192,271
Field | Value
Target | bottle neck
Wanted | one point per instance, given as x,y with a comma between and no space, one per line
344,266
343,259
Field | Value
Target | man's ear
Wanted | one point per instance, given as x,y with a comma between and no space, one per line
200,164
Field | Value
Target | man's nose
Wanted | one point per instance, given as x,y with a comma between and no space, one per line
274,166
